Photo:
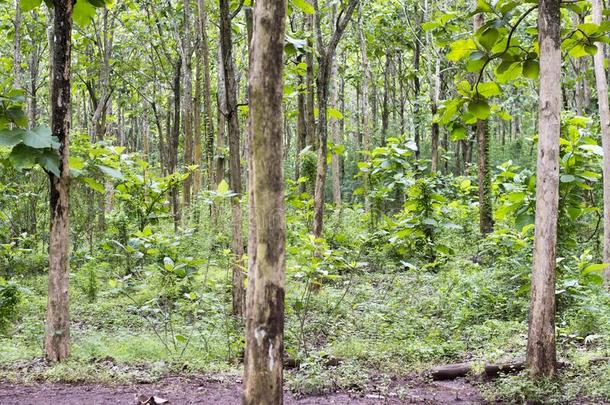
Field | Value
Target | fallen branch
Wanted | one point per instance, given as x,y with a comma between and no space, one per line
453,371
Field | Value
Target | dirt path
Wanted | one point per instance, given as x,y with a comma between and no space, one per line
226,390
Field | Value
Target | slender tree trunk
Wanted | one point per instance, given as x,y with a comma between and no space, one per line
234,157
187,103
435,126
604,116
57,328
173,141
222,120
335,136
385,111
197,152
207,94
265,313
366,135
325,60
17,47
309,84
416,82
301,134
486,223
541,356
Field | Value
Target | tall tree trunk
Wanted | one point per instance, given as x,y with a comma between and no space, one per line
197,152
57,328
17,47
174,140
222,120
207,94
486,223
265,312
335,136
416,82
541,356
187,103
604,116
234,157
385,111
366,135
309,84
325,60
301,133
435,127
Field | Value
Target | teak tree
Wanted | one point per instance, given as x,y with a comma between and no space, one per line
541,351
265,304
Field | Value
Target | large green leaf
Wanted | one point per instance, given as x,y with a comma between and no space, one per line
29,5
49,160
479,108
109,171
24,157
11,137
38,138
304,6
83,12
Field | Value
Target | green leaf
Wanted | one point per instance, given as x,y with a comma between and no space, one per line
83,12
94,185
50,162
109,171
479,108
459,133
334,113
38,138
488,38
489,89
461,48
223,187
531,69
304,6
29,5
11,137
594,268
23,157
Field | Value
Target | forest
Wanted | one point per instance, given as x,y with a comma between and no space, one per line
304,202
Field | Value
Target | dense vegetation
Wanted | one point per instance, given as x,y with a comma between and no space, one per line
134,144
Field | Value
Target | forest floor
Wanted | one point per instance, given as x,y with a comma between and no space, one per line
226,389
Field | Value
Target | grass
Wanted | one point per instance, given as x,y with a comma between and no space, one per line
381,324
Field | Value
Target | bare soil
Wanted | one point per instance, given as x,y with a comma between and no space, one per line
223,390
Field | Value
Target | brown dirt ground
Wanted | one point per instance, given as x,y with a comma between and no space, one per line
223,390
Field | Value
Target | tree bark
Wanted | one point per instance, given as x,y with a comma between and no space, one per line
325,59
435,127
207,94
187,103
173,142
366,134
486,223
541,356
234,157
57,328
265,314
17,47
604,116
335,136
416,83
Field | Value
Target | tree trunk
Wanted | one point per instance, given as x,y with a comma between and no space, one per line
335,136
265,314
222,120
486,223
17,47
57,328
325,60
541,356
301,133
173,141
309,85
187,103
366,135
416,83
234,157
604,116
435,126
207,94
385,108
